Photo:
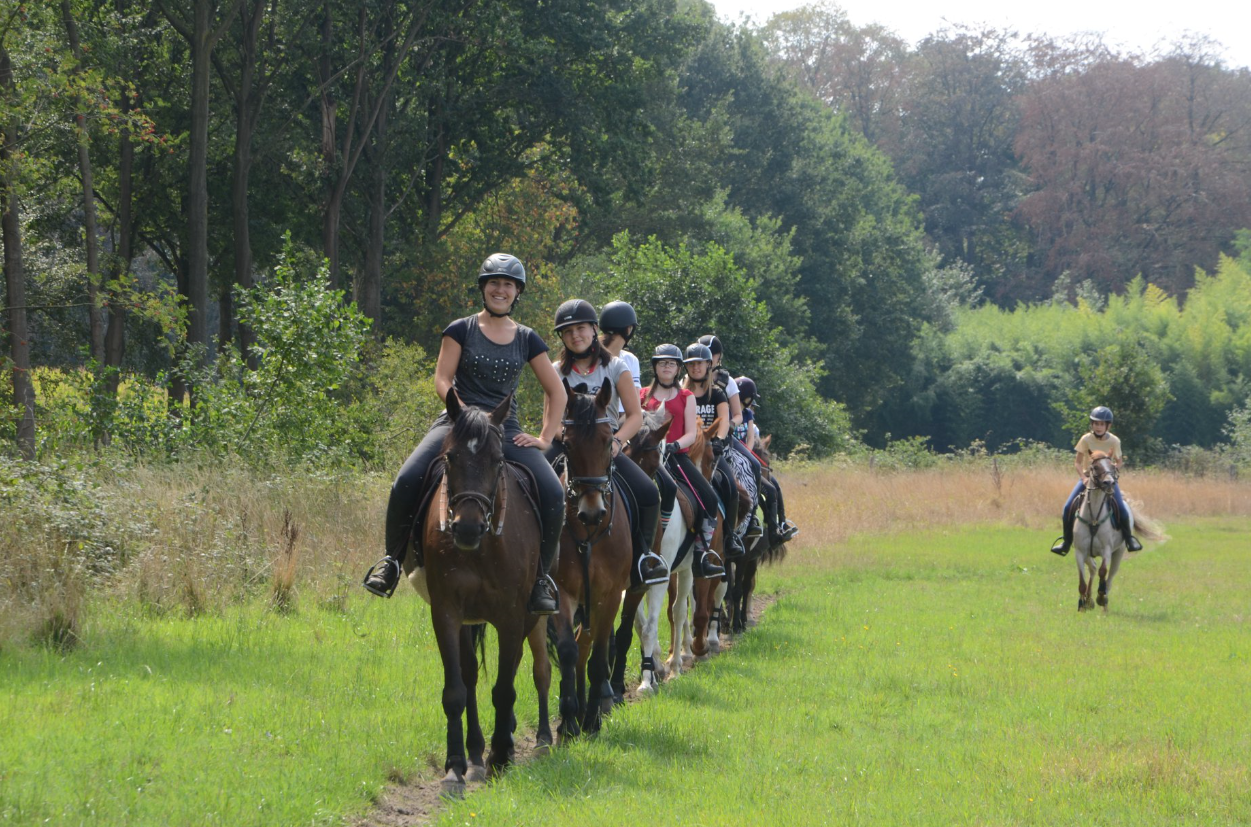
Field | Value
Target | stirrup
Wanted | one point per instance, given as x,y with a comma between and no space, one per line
1060,547
660,572
543,597
707,569
1132,544
788,530
754,531
735,550
383,577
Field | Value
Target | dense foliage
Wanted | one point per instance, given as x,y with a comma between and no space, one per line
834,202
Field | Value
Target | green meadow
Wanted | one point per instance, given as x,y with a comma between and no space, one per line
923,678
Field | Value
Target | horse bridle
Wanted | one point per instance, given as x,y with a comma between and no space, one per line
447,505
578,485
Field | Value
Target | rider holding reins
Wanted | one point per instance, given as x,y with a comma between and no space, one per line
1099,438
480,360
585,363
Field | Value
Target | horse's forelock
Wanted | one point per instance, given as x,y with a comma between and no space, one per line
583,412
472,424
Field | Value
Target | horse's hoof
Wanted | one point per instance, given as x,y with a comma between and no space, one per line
714,647
452,785
1102,600
476,773
618,698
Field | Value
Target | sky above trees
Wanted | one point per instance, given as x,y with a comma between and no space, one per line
1135,26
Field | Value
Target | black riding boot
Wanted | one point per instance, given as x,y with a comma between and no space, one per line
1062,547
707,564
649,568
543,594
1131,542
384,576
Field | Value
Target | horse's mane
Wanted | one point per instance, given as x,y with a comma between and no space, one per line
1094,455
472,423
651,421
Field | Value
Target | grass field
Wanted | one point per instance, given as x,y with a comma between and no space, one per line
922,676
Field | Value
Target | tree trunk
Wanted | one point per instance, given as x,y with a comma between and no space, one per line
14,277
197,188
242,232
115,338
89,203
369,297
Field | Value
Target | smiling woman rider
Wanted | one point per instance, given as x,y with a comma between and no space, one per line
480,360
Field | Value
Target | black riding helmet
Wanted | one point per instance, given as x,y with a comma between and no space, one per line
747,388
1101,414
575,311
697,352
618,317
503,265
713,343
666,352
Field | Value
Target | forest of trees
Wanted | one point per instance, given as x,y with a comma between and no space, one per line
239,225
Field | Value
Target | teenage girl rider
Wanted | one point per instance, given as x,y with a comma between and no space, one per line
584,361
480,360
711,403
780,528
679,403
617,323
1099,438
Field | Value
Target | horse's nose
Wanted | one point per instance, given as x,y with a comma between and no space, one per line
591,516
467,534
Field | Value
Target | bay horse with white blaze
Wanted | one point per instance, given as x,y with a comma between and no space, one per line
481,553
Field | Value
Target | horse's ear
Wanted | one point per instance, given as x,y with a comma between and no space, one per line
501,411
657,434
712,429
604,396
766,440
453,405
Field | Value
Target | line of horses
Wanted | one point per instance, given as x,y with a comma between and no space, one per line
480,535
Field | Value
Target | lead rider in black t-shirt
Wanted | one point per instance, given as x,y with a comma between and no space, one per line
480,360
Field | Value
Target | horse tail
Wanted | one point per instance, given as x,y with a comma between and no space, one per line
776,554
477,634
552,653
1144,525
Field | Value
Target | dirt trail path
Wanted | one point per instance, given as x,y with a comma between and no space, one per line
416,801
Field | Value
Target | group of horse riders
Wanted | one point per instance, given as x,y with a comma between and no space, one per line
480,360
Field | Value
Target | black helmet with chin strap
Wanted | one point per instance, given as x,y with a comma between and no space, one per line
575,311
713,343
618,317
697,352
666,352
747,388
502,264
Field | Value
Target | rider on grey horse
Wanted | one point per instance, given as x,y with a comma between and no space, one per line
1099,438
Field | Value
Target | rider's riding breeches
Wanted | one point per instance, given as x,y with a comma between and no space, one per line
705,498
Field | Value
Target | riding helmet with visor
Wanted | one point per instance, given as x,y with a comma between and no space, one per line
502,264
666,351
713,343
575,311
747,388
697,352
1101,414
618,317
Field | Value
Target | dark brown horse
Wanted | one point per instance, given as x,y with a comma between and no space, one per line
594,564
481,549
743,582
